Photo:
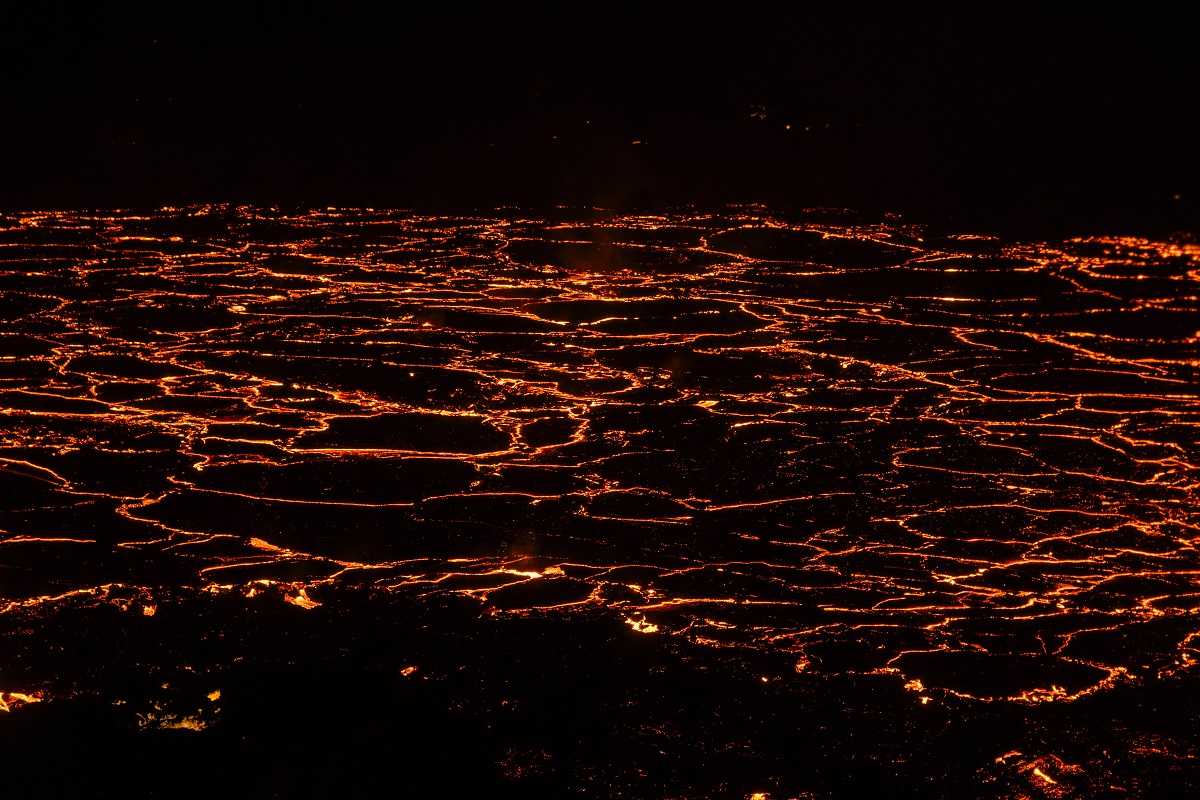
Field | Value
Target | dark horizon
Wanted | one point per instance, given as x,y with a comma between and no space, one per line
1027,119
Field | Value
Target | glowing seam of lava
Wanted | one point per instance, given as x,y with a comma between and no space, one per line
782,319
11,700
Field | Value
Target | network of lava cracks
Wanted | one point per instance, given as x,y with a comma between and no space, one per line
966,463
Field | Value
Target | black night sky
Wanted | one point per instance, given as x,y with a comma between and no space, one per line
1033,116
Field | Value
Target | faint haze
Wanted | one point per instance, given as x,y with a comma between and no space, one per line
1018,113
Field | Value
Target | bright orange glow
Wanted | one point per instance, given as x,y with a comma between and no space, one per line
733,431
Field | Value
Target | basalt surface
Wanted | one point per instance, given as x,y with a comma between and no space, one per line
687,505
